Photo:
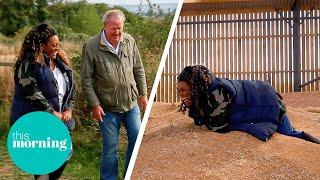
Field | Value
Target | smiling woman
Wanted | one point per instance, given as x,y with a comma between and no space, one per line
43,80
224,105
51,48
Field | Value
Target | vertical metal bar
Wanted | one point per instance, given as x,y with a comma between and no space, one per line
302,45
291,81
196,44
317,50
296,47
242,48
189,36
215,43
219,67
209,43
178,61
224,47
227,47
285,57
271,50
239,55
281,58
235,53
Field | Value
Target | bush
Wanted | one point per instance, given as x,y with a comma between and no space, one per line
86,20
66,33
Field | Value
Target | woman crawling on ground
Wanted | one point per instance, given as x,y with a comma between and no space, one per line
224,105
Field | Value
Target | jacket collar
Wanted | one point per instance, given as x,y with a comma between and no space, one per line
59,63
104,43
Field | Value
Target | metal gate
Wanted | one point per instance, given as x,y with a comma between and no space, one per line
251,46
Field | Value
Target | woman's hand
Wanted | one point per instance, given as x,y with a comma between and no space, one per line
66,115
64,56
187,101
58,114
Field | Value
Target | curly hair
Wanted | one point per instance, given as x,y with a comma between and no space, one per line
198,78
36,37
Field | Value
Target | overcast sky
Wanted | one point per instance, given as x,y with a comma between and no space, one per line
120,2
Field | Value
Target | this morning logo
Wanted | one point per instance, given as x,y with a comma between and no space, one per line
39,143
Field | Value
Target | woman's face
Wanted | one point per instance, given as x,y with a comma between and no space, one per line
52,47
183,89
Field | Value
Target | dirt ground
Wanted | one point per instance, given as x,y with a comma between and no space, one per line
174,148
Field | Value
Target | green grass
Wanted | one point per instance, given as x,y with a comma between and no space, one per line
7,169
84,163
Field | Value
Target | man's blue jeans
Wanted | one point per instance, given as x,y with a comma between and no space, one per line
109,130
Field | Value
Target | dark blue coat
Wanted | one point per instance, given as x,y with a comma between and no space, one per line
36,88
49,86
254,108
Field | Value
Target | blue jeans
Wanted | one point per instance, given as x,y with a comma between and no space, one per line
285,127
109,130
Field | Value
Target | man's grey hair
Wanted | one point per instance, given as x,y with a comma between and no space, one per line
113,13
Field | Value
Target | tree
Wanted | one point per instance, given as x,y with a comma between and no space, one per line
15,15
42,12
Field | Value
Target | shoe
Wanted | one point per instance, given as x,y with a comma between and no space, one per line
310,138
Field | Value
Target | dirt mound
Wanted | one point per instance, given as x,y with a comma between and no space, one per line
174,148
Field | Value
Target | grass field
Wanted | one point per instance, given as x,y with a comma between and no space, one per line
84,163
87,146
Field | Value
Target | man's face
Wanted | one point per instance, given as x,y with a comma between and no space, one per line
113,29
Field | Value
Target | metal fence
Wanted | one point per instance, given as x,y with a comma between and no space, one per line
251,46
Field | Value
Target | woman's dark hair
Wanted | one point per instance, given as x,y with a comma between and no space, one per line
198,78
36,37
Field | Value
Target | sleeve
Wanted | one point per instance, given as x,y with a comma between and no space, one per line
27,78
87,77
217,110
196,116
138,71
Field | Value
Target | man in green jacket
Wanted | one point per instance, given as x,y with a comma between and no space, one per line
113,81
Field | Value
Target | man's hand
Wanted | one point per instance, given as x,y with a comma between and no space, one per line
67,115
98,113
143,101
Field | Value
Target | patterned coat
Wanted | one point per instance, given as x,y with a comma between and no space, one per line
240,105
36,89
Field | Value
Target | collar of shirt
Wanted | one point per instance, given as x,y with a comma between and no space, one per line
105,42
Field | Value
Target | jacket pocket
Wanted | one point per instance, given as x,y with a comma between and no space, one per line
134,92
102,67
108,97
128,58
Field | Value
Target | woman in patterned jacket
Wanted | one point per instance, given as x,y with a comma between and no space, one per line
224,105
43,81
